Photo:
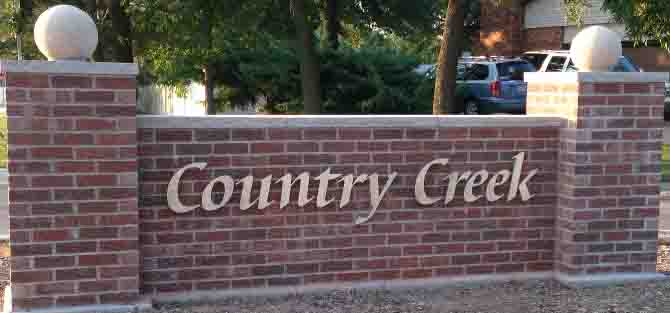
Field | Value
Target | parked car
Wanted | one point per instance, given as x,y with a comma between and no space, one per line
559,61
493,85
489,85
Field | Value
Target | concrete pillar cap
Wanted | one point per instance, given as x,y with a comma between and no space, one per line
595,49
65,32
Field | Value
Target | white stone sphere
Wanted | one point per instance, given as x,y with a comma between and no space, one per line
65,32
595,49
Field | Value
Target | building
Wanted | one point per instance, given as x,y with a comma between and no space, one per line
525,25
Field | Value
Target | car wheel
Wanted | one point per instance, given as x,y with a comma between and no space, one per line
471,107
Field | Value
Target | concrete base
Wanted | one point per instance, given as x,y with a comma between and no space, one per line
461,281
95,309
605,280
581,281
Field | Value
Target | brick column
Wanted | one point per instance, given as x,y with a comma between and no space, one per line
73,183
609,171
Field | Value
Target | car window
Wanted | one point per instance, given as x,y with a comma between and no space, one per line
624,65
477,72
572,67
514,70
536,59
460,72
556,64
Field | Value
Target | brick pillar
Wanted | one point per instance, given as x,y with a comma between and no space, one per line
73,183
609,170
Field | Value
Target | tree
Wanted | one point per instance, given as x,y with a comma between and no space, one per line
333,23
447,62
309,59
185,39
644,19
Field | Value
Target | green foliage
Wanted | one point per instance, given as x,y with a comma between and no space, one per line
378,81
354,81
644,19
575,10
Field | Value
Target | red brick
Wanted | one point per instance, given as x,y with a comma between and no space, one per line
53,235
54,262
355,134
19,277
115,83
96,153
248,134
267,147
116,139
93,96
32,139
54,288
98,286
117,166
51,153
76,247
96,180
320,134
80,82
52,181
73,139
116,110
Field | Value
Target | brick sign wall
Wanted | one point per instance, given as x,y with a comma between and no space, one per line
230,248
569,192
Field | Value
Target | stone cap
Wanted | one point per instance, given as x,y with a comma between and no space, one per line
69,67
597,77
333,121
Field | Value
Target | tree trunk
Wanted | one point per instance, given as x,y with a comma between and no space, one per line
123,43
206,31
208,81
333,24
92,9
310,71
447,62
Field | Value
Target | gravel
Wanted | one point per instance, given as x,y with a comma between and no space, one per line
4,278
513,297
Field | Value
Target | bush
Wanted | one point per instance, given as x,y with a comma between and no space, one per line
353,81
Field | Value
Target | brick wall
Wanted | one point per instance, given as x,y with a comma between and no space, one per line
545,38
501,29
296,246
90,222
73,187
609,169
